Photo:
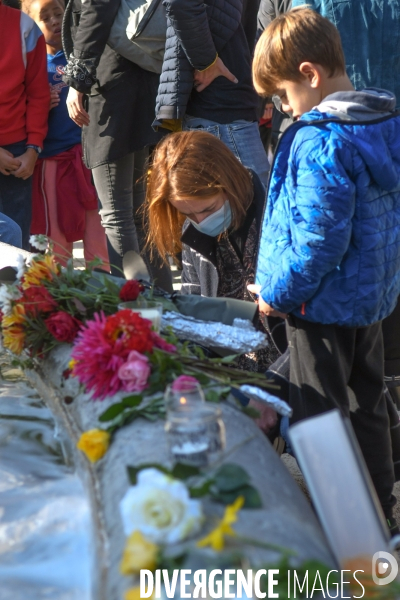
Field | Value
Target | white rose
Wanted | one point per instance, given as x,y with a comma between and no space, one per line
160,507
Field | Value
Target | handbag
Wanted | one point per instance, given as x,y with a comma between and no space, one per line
139,33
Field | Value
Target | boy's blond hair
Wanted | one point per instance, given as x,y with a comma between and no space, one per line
300,35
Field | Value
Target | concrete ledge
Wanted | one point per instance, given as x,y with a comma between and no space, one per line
286,518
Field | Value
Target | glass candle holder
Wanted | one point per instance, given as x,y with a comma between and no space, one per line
195,436
147,309
190,397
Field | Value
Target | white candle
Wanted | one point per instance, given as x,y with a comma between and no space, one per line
152,314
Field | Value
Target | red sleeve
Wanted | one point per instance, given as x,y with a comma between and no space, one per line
37,94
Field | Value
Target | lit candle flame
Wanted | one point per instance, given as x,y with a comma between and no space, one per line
183,400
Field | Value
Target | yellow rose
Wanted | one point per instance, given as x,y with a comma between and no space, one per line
134,594
138,554
94,444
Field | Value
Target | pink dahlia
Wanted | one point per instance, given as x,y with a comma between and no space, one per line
184,383
99,358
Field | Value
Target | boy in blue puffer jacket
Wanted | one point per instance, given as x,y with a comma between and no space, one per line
329,255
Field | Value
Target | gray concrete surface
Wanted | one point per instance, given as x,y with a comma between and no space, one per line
286,518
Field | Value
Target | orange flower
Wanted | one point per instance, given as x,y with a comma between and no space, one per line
42,269
362,564
13,329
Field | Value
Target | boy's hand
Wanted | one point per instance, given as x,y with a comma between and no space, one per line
263,306
268,417
8,164
54,97
27,166
203,78
75,108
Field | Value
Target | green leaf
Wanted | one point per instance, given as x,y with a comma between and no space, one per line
133,471
226,360
230,477
212,396
252,498
201,490
181,471
113,411
252,412
132,401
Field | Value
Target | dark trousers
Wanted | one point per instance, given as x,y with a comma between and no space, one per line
16,196
121,190
339,367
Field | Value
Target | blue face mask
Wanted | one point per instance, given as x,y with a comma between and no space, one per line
217,222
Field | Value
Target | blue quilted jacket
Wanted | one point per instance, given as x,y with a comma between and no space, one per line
330,244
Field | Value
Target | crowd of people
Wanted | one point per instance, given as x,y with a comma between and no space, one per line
176,166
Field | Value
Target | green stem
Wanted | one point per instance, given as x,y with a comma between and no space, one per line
266,545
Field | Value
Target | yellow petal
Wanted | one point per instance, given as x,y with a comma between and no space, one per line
231,511
134,594
215,539
94,443
72,363
138,554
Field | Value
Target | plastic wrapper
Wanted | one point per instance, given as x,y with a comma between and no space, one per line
239,338
255,393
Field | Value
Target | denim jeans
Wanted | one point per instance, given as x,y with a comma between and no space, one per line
121,192
10,231
241,137
16,196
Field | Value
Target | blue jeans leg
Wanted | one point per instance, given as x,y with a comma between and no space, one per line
241,137
16,196
10,231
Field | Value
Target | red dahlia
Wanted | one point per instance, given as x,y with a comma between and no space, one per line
128,326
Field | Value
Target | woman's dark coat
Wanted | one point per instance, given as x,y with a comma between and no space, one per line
120,95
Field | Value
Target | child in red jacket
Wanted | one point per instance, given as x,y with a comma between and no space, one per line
65,204
24,107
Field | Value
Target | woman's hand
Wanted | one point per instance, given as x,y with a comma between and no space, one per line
263,306
203,78
75,108
8,164
27,164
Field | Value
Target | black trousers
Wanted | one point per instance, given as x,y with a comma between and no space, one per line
331,367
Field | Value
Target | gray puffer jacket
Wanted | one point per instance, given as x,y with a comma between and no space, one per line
197,31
